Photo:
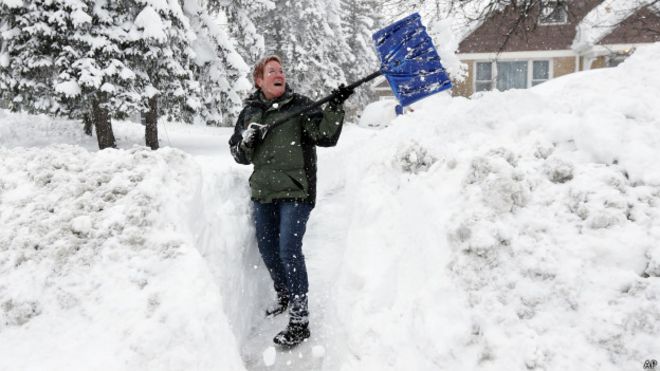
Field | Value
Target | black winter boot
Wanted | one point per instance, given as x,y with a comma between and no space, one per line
294,334
279,306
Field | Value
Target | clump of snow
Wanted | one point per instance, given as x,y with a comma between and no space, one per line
12,3
4,59
378,114
68,88
81,225
414,158
151,24
79,17
602,20
318,351
270,356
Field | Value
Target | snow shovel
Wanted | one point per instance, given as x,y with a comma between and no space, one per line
409,62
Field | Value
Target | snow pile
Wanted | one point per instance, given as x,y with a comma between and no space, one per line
518,231
19,129
98,269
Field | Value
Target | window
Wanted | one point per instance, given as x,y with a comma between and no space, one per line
540,72
553,12
511,75
484,76
505,75
616,58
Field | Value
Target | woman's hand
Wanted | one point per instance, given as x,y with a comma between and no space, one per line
340,95
253,134
250,136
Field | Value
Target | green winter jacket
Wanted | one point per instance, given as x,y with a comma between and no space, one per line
285,160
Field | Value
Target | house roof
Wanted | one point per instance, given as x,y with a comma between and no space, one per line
603,20
469,18
590,22
507,31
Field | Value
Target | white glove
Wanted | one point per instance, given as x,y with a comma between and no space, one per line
253,133
250,136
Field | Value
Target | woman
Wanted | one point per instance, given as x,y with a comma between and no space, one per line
283,183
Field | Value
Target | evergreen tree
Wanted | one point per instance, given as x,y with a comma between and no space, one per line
221,71
94,59
10,13
104,75
308,44
34,45
158,51
360,19
240,20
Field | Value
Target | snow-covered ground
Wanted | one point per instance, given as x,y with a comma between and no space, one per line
513,231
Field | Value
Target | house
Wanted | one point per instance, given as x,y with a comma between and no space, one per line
381,88
559,38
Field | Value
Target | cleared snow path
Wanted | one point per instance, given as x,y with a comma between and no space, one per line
225,228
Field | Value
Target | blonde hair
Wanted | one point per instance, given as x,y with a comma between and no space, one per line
258,71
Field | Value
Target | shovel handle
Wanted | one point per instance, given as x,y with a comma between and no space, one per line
322,101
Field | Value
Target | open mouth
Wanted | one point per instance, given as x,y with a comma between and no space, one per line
278,83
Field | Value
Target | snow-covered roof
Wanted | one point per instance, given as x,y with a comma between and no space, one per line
604,19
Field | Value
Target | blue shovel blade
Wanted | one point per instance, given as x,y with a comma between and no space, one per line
410,61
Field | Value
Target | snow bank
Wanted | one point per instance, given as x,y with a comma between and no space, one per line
517,231
19,129
98,268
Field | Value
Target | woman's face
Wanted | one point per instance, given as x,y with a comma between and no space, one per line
273,82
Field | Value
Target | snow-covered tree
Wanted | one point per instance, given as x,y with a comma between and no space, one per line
36,54
307,42
240,16
101,59
221,70
65,57
10,13
103,71
360,19
189,62
159,51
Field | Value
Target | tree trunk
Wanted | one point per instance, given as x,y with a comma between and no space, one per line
87,124
151,124
104,134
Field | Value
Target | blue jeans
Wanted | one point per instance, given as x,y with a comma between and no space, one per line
280,229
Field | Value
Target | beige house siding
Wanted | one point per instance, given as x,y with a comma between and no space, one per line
599,62
382,89
384,94
563,66
464,88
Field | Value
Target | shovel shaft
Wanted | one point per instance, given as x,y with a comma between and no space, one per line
322,101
